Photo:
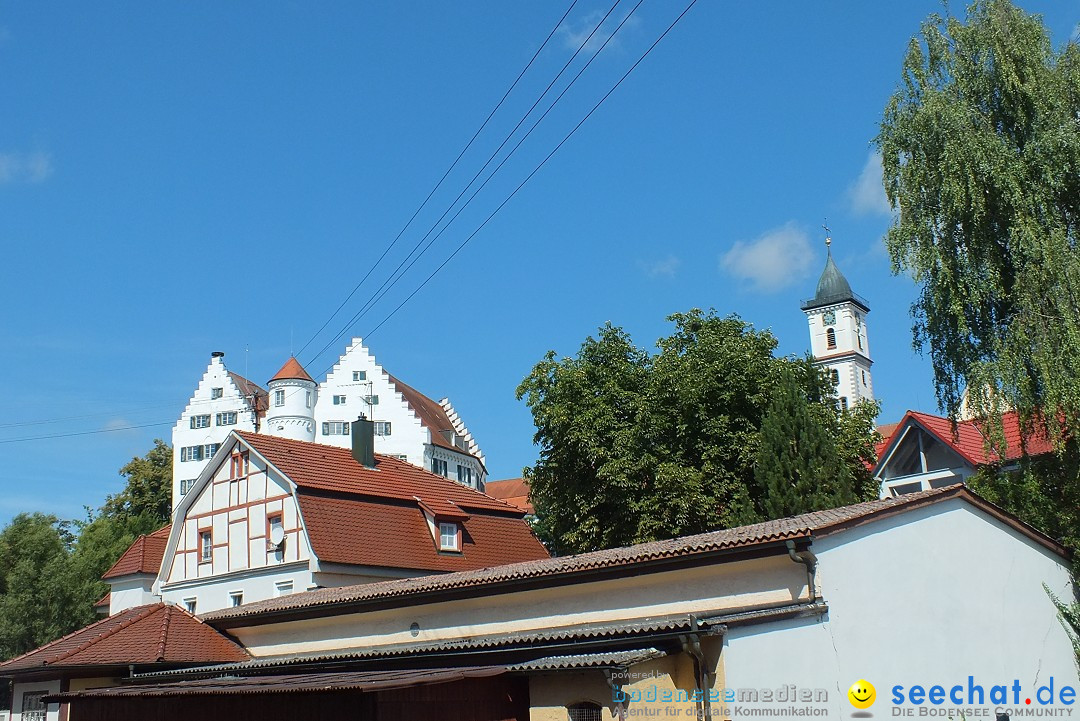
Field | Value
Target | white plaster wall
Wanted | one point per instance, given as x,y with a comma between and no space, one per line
453,460
408,436
295,417
927,597
53,713
740,585
848,333
131,591
200,403
235,512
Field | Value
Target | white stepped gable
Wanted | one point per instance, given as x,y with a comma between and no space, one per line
408,424
222,402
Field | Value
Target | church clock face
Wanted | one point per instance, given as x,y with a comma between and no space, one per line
829,317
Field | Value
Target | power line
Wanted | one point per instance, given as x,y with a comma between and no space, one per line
536,169
380,296
444,175
391,279
85,433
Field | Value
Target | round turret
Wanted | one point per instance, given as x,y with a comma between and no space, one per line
292,403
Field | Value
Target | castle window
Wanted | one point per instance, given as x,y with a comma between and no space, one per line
335,428
830,338
438,467
307,399
464,475
359,375
228,418
191,453
448,537
186,485
382,428
202,421
279,398
216,393
339,400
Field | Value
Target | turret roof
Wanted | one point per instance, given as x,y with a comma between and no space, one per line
833,288
292,370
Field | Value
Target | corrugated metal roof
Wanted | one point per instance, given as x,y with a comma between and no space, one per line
235,686
590,660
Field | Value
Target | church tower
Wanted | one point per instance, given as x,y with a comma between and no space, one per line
838,334
292,403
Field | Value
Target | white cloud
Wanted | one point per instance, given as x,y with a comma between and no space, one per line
867,194
25,167
117,424
663,268
574,32
776,259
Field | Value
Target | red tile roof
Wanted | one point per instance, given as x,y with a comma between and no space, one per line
292,370
514,491
367,533
970,437
255,395
374,516
142,556
806,526
157,633
431,414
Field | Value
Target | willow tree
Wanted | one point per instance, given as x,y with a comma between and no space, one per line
980,146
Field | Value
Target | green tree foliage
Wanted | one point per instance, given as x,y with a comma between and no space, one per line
37,595
798,465
50,579
981,152
637,446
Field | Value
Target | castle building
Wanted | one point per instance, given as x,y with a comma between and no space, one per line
408,425
838,334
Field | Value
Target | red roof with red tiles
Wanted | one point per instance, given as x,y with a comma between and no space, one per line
431,414
376,516
969,438
292,370
514,491
255,395
142,556
158,633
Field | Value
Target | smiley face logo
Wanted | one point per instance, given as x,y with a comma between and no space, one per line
862,694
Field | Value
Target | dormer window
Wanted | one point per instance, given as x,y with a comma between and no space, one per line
449,537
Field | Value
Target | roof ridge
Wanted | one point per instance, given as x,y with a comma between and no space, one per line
163,639
145,613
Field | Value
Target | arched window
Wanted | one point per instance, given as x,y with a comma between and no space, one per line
860,340
843,403
584,711
834,375
830,338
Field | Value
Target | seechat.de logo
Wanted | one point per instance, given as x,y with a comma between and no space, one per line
862,694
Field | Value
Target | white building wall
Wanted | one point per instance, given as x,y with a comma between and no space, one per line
849,327
234,510
24,687
357,377
291,412
925,598
131,591
203,403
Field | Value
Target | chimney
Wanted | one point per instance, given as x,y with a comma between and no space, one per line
363,442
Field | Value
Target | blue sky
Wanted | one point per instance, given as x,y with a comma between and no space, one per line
177,179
